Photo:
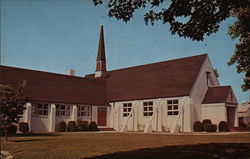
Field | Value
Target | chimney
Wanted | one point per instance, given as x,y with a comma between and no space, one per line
71,72
101,59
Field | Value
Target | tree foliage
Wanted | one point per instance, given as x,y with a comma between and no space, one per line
241,30
10,109
201,18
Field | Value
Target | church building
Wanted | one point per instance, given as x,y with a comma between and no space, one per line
166,96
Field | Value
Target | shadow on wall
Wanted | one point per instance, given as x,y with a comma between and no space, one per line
199,151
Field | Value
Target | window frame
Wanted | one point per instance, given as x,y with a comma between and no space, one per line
127,108
148,108
173,107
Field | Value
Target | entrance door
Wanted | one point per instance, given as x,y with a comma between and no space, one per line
231,116
102,116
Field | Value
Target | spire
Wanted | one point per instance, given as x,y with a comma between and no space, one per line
101,59
101,48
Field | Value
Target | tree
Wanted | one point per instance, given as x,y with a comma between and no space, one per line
195,19
10,108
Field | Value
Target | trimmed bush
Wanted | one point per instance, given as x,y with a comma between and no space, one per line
210,127
93,126
82,125
61,126
198,126
223,126
204,122
24,127
72,126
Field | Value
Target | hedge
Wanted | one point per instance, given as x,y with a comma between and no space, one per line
93,126
223,126
82,125
210,127
61,126
72,126
198,126
204,122
24,127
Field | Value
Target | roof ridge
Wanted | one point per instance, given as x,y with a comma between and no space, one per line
157,62
52,73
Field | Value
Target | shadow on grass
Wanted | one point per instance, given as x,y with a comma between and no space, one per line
199,151
34,134
31,140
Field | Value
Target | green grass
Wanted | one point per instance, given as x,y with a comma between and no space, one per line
120,145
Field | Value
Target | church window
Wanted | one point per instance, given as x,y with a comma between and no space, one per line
83,111
148,108
40,109
173,107
62,110
127,108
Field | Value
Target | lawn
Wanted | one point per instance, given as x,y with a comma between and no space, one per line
129,145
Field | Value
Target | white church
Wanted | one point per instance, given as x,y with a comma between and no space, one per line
167,96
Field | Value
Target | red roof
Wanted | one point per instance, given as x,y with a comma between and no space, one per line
172,78
217,94
51,87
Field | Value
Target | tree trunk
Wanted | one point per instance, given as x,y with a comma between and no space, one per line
6,135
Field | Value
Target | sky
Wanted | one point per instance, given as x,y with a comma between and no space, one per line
58,35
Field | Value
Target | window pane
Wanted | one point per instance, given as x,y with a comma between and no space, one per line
169,113
175,107
40,106
175,101
145,103
145,108
169,107
150,113
169,101
124,109
176,112
130,104
129,109
150,108
145,114
45,112
150,103
62,106
45,106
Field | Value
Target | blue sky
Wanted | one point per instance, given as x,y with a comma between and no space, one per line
57,35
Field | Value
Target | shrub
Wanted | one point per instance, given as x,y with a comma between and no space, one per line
83,125
61,127
198,126
24,127
204,122
93,126
223,126
72,126
210,127
11,130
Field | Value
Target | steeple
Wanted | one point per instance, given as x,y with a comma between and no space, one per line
101,60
